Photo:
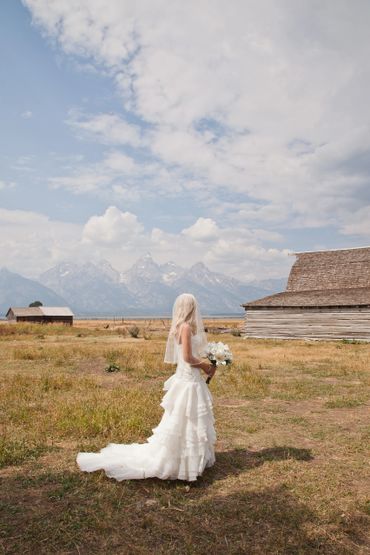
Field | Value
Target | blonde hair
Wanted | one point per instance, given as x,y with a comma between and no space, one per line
184,310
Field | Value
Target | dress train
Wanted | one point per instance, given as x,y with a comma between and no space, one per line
181,446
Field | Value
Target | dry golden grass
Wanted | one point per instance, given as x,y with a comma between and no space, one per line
291,469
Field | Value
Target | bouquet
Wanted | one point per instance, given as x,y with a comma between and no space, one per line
218,354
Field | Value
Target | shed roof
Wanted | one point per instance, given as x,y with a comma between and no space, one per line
56,311
334,297
41,311
25,311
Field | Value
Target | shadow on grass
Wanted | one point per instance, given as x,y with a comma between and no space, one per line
69,512
236,461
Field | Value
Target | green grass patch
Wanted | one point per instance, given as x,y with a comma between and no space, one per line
122,414
301,390
16,451
240,380
344,403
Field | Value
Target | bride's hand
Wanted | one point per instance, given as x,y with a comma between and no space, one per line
210,370
205,366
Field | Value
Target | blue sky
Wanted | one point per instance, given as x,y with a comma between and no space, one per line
38,88
228,137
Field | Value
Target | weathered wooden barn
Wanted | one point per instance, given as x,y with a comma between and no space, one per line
327,297
41,314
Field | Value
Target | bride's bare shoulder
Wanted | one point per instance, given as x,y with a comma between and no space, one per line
181,332
185,331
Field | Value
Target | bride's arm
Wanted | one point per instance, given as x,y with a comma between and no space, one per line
187,353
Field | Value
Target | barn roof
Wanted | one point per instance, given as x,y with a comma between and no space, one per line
339,277
326,270
332,250
318,298
41,311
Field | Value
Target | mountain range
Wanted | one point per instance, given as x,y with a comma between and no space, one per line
146,289
16,290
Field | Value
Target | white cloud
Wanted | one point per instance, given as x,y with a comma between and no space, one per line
119,173
248,260
122,192
6,184
256,112
80,183
27,114
32,243
120,163
359,224
204,229
117,176
266,99
24,163
113,228
106,128
232,251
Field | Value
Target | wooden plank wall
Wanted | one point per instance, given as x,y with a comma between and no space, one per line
324,323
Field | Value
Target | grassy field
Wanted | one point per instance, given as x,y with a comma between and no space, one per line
292,421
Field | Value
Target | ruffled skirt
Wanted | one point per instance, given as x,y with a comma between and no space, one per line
181,446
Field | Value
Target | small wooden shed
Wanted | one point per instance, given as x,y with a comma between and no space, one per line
327,297
41,314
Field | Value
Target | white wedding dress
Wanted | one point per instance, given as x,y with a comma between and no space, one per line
181,446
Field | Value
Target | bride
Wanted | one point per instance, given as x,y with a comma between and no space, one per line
182,445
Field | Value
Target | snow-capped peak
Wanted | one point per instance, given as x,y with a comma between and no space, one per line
147,287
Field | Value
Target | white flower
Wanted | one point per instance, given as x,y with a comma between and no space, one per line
219,353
